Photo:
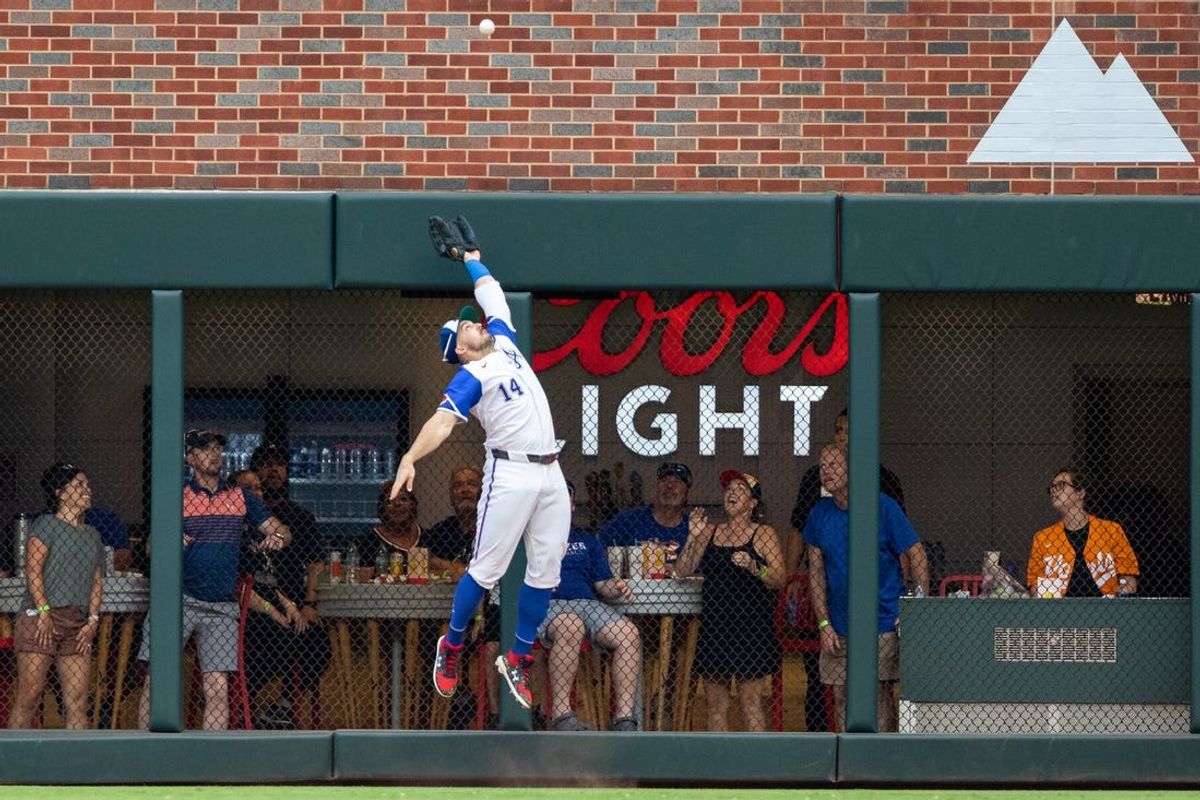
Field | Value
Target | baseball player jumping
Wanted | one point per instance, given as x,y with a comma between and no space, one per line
524,493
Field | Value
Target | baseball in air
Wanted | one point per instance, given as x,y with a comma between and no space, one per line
487,27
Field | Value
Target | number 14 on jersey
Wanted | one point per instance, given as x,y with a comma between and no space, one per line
512,390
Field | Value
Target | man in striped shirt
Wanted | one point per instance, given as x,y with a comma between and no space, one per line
215,517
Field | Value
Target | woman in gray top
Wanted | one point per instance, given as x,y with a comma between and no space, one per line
63,569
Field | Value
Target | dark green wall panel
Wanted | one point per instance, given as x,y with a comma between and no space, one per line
595,242
949,651
982,760
166,241
111,757
1020,243
490,757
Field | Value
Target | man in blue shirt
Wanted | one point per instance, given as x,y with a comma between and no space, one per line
575,612
827,531
664,520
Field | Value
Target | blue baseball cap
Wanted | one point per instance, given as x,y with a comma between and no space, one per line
448,335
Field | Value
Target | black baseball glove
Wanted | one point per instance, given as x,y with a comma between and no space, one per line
466,233
452,239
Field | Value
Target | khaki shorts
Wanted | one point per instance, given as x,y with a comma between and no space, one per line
215,626
595,615
833,666
67,622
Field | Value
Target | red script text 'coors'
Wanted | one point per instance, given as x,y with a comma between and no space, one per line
757,357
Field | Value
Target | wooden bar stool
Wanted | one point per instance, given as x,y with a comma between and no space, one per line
412,686
346,667
373,669
682,717
590,696
124,648
100,669
666,627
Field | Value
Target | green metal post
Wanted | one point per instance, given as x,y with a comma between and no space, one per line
1194,484
512,716
863,628
166,513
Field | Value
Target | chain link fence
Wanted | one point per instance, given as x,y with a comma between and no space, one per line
1042,445
315,396
703,434
72,474
690,419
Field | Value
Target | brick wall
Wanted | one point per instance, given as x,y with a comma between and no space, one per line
568,95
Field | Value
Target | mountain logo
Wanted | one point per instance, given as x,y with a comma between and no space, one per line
1065,110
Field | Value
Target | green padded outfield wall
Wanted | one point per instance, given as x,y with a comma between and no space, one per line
172,240
178,240
1000,244
541,242
949,654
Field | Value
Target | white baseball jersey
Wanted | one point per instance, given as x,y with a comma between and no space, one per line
519,499
500,390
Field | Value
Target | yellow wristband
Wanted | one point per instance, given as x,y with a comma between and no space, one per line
823,624
267,607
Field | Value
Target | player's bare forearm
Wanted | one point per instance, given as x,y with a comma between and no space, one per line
435,431
920,567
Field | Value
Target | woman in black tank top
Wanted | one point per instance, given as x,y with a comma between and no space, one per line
742,565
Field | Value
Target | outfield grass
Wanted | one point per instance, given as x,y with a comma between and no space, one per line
372,792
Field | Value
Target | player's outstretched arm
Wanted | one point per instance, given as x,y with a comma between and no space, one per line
478,272
488,292
435,431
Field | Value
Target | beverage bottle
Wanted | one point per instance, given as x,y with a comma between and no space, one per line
313,466
352,564
326,466
389,464
335,567
381,564
20,541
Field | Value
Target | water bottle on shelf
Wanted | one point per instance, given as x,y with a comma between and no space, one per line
312,467
389,464
355,471
381,563
335,567
371,468
301,468
339,461
352,564
326,465
21,523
